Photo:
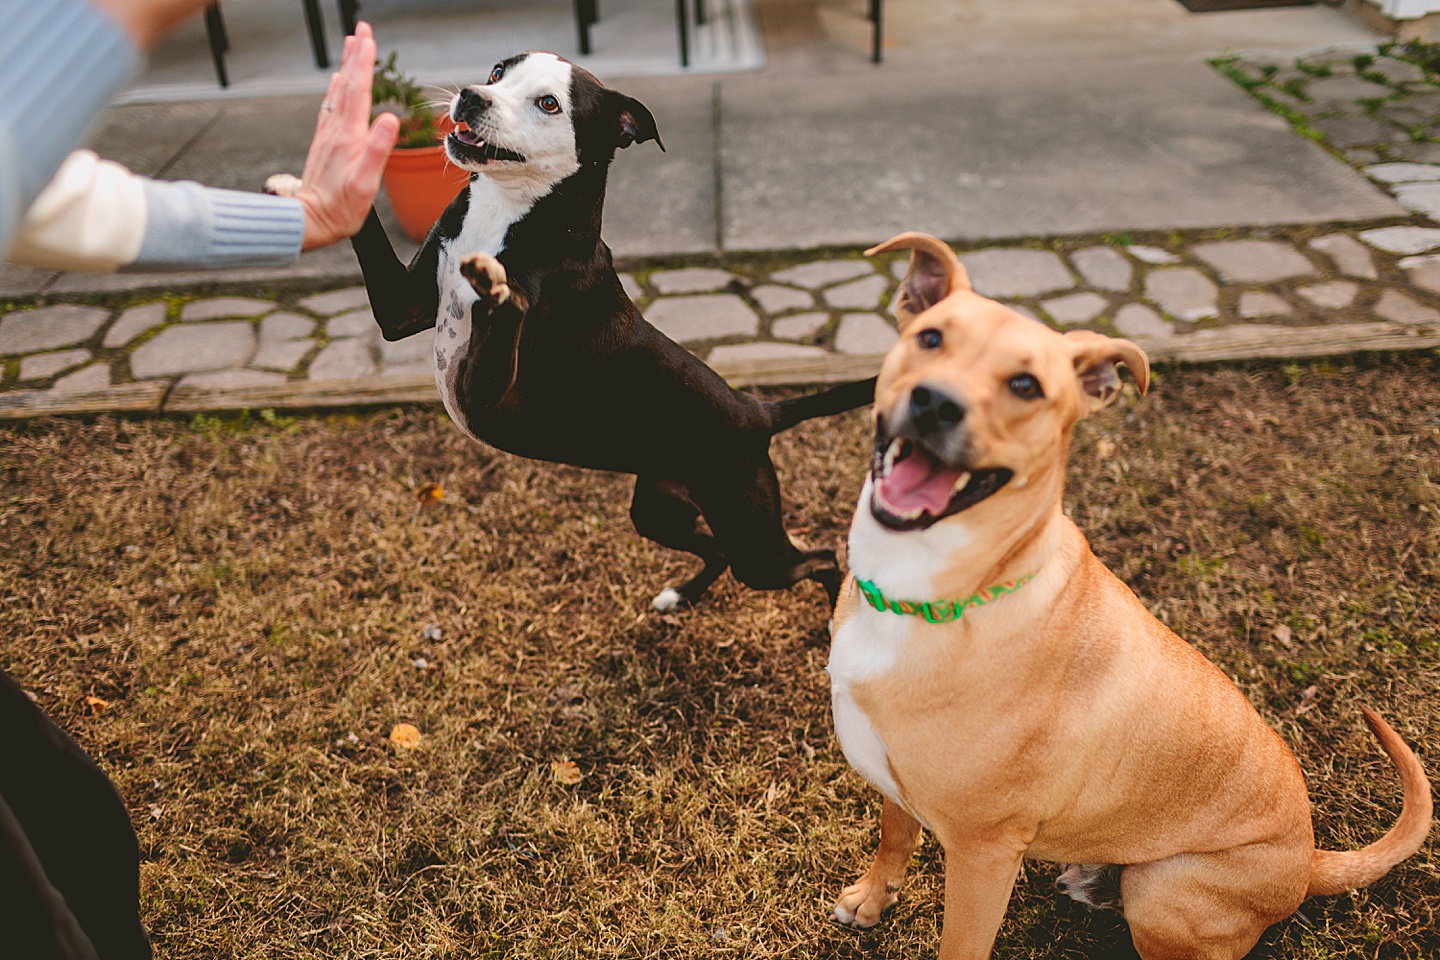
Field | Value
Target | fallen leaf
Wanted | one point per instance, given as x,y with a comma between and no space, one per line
430,494
1307,698
566,771
1283,634
1105,448
95,705
405,736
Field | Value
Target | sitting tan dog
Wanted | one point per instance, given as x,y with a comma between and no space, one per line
1007,692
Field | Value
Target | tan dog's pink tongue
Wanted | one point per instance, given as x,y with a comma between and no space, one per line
917,483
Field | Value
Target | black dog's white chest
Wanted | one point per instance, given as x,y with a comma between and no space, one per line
490,214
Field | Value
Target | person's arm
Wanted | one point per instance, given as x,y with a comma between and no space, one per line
97,216
60,61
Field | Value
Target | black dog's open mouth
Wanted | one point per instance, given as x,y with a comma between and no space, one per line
913,489
465,145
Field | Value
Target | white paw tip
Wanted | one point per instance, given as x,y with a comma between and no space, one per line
667,600
282,185
841,915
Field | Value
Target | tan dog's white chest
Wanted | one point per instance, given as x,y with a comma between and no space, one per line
864,648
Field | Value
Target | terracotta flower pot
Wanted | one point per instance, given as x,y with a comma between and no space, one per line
420,183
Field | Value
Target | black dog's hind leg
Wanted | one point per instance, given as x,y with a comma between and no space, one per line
497,319
664,512
404,300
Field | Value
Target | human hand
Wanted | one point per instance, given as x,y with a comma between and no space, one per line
145,21
342,169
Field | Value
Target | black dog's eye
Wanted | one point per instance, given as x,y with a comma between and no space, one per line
1026,387
497,73
929,338
549,104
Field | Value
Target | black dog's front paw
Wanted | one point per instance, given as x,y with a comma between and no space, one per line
487,276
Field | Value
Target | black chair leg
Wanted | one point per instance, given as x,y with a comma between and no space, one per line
875,24
349,13
700,13
586,13
682,20
219,41
316,26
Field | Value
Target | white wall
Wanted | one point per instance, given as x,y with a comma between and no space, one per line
1407,9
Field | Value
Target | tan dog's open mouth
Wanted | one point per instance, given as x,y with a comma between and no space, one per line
913,488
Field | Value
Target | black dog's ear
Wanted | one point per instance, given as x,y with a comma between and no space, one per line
635,122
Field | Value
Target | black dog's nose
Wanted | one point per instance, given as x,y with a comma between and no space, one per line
932,410
471,102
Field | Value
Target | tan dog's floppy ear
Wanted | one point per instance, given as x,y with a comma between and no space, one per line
935,273
1095,359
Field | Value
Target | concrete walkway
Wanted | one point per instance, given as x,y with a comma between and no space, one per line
1095,167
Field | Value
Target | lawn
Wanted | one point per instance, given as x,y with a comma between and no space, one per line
233,614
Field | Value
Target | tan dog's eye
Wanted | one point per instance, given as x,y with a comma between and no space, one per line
549,104
497,73
929,338
1026,387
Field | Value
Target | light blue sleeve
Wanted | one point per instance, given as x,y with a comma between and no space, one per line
60,62
190,225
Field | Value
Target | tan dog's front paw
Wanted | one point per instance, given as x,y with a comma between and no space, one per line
487,276
282,185
861,905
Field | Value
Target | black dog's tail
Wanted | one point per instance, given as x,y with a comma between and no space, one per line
784,414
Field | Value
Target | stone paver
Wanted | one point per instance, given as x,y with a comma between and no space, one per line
346,359
703,317
1013,272
777,299
1183,292
1104,268
1423,271
63,325
85,380
336,301
1253,261
691,280
225,307
863,333
193,348
1403,172
1075,308
41,366
1420,197
749,352
1155,256
823,272
281,354
285,326
133,322
802,326
417,349
631,286
356,323
1138,320
1262,303
1348,254
1399,308
1403,239
1330,295
862,294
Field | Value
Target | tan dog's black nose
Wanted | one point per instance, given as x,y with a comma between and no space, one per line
932,410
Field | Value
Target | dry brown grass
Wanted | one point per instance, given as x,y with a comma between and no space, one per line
252,599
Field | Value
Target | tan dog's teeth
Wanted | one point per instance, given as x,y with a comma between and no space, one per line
961,482
891,453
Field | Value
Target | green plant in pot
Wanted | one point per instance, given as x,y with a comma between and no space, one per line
419,180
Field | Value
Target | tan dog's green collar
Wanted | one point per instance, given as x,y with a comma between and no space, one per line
938,611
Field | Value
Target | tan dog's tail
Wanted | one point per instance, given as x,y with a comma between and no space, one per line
1334,872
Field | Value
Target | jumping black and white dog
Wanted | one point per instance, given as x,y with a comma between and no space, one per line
539,351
